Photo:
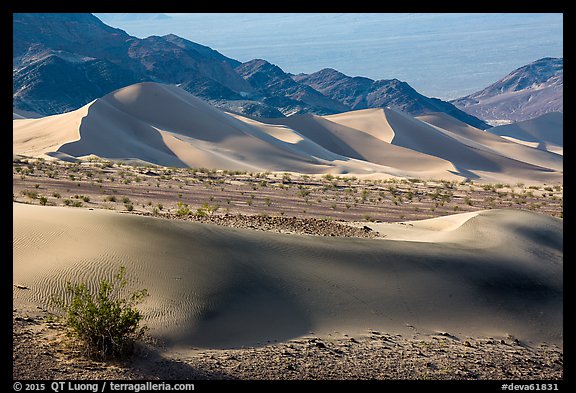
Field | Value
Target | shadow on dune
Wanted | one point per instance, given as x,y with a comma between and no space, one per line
249,317
109,133
250,305
426,139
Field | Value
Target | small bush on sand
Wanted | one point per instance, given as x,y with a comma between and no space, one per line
106,323
183,209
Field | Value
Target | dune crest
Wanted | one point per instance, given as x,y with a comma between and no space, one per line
544,132
164,125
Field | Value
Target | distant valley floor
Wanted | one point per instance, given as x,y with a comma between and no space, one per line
281,202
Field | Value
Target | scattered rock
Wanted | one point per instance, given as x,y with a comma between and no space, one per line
446,334
297,359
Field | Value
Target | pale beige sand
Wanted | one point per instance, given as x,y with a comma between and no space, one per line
34,137
165,125
495,273
493,143
545,132
371,121
440,229
366,144
162,124
469,155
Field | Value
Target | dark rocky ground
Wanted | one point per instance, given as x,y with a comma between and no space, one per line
41,352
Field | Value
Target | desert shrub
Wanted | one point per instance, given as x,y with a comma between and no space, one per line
129,206
207,210
43,200
30,194
183,209
105,323
304,192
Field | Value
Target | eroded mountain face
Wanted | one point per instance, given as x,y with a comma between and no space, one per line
63,61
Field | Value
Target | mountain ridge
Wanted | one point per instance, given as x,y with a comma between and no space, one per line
525,93
254,87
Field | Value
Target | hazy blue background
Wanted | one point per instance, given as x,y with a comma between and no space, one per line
440,55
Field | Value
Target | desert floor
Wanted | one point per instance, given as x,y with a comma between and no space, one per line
372,355
256,196
257,205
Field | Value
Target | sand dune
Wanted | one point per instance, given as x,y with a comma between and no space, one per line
366,144
493,273
35,137
468,155
491,142
544,132
165,125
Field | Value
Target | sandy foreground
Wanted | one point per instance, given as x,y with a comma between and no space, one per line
471,296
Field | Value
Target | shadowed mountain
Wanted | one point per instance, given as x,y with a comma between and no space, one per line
363,93
77,83
81,38
256,87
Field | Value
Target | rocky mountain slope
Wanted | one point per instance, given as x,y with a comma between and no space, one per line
527,92
64,61
363,93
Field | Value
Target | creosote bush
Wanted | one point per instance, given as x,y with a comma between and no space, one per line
106,323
